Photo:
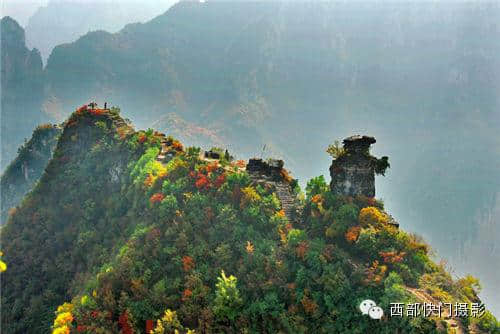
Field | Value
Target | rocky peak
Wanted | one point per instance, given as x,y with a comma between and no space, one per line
353,171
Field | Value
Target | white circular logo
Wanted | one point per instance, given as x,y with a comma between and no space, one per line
376,312
366,305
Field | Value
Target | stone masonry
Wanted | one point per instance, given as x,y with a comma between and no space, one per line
353,172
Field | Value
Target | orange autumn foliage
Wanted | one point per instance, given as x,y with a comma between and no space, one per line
176,145
82,109
392,257
122,132
375,273
142,138
286,175
149,180
240,163
187,263
309,305
352,234
316,199
186,294
250,247
211,167
97,112
156,198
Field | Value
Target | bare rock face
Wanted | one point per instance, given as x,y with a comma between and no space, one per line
271,168
353,171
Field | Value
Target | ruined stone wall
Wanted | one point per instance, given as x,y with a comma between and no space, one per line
353,171
352,176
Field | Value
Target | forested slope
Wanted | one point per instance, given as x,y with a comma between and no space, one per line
113,238
22,173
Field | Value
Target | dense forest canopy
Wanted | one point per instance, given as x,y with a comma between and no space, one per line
130,230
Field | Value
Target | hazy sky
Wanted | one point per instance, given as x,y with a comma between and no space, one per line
22,10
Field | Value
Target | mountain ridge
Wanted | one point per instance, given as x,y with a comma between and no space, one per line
120,239
287,75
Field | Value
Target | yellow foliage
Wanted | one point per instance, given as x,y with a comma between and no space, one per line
169,316
62,319
156,170
84,300
3,265
372,216
169,323
317,199
250,248
61,330
66,307
250,195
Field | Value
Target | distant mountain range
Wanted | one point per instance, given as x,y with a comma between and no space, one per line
21,89
63,21
421,77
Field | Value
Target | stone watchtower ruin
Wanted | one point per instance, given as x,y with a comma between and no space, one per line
353,171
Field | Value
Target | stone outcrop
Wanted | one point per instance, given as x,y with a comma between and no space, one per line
271,167
353,171
212,155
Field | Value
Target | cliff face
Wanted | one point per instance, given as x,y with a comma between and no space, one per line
22,174
22,88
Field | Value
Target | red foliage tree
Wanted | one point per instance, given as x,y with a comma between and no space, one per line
156,198
149,326
124,324
220,180
202,182
186,294
187,263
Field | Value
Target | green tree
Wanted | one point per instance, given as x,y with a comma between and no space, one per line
227,297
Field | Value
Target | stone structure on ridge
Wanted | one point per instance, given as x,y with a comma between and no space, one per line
353,171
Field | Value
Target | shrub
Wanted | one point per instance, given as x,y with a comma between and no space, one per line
187,263
352,234
316,186
372,216
156,198
168,206
335,150
250,196
347,213
227,297
295,236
